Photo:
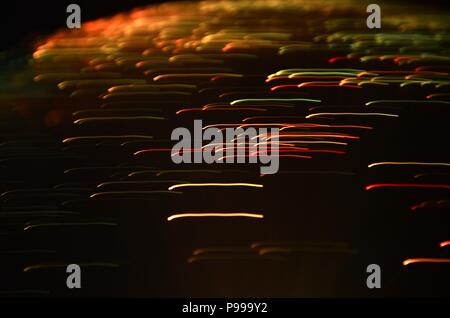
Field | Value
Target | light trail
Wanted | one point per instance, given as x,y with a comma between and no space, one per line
32,226
70,139
108,193
265,100
391,163
426,260
215,214
184,185
351,114
64,265
407,185
113,118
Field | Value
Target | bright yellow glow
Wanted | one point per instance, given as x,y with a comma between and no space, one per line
425,260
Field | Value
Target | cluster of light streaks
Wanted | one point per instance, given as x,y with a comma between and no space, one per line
415,168
355,78
106,97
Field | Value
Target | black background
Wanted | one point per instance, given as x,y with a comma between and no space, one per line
21,22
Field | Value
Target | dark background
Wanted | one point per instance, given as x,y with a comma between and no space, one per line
22,22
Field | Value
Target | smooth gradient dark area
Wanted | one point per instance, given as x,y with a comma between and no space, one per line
22,21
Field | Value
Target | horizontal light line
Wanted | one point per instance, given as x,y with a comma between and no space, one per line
425,260
407,185
183,185
189,215
385,163
351,114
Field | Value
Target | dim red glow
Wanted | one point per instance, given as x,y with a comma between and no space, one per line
407,185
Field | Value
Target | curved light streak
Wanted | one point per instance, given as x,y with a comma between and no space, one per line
407,185
426,260
386,163
351,114
184,185
215,214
